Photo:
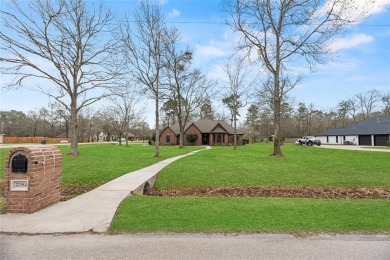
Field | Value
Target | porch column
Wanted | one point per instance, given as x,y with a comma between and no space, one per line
372,140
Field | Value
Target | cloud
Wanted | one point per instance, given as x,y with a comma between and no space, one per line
350,42
210,51
354,10
174,13
376,6
163,2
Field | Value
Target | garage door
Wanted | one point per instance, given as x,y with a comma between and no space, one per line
364,139
381,140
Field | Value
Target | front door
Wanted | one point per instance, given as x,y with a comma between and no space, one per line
205,139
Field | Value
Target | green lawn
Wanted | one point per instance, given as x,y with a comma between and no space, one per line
155,214
252,165
100,163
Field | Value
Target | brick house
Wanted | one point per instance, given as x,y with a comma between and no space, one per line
209,132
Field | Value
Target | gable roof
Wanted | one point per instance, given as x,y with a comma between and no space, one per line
208,126
218,129
372,126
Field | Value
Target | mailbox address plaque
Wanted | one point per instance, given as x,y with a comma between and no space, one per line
19,164
19,185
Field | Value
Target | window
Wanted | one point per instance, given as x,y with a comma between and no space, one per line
168,139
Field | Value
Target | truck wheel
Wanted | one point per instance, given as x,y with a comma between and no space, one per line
310,143
318,143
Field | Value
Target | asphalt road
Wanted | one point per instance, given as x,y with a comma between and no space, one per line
193,246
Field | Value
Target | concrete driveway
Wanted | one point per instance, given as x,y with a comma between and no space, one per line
354,148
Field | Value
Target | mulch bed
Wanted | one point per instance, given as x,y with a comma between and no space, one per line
281,192
68,192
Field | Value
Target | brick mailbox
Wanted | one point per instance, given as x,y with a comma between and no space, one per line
32,178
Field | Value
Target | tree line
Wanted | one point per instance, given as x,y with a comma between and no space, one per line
309,119
51,121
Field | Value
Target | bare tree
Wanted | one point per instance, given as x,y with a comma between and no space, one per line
252,122
285,33
239,85
144,48
61,42
353,108
368,101
123,114
188,88
386,103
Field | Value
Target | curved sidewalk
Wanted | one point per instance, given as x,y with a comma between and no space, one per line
91,211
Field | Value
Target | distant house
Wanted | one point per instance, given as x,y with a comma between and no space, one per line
104,137
373,131
209,132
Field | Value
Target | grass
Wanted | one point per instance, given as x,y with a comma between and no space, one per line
155,214
100,163
252,165
249,165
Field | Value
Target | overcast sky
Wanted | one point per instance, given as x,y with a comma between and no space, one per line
362,62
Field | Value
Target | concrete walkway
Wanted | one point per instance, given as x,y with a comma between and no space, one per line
93,210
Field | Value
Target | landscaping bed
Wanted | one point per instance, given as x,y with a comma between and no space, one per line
282,192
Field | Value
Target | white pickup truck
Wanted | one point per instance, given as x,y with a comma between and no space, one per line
308,140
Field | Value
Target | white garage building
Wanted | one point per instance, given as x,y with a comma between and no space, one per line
374,131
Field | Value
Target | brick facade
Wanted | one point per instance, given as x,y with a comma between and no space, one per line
44,171
173,139
193,130
209,132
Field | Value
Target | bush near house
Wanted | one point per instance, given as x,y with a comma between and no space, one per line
192,138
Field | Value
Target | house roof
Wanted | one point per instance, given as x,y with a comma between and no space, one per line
218,129
208,126
372,126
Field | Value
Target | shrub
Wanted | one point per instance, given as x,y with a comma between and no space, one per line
192,138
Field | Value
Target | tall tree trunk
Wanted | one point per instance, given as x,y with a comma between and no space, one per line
181,137
277,116
181,127
235,132
157,143
73,129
